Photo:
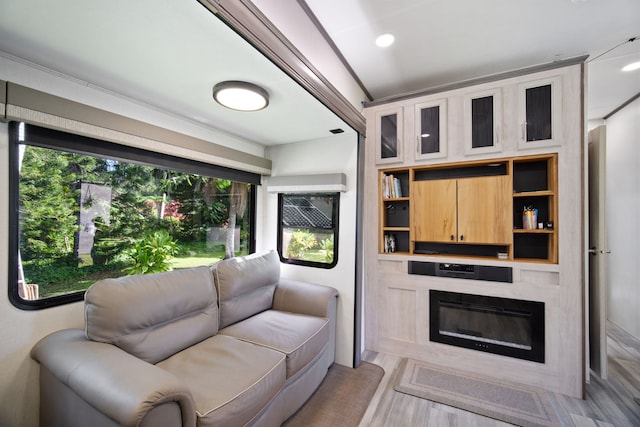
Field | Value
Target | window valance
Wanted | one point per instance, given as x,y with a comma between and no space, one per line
21,103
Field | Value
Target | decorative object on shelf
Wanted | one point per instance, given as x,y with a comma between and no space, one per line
529,218
391,188
389,243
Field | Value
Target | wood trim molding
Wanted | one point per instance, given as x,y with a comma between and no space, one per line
247,20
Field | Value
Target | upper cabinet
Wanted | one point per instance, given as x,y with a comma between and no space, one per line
482,170
506,117
482,119
389,135
431,129
540,113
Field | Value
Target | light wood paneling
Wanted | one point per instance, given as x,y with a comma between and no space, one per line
401,324
607,403
434,210
484,210
558,280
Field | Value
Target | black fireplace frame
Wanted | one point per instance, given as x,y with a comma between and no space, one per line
499,305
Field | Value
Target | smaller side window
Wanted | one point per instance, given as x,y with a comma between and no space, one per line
308,229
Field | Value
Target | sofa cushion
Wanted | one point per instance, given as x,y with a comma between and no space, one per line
299,336
153,316
231,381
246,285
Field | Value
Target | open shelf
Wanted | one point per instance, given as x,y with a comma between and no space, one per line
452,194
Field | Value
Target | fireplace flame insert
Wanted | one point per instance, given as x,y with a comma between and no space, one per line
504,326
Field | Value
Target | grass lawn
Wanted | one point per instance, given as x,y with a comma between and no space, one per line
187,262
74,285
194,256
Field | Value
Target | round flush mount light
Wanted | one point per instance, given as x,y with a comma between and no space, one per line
385,40
241,96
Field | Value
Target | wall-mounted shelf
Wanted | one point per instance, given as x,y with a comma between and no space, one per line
471,209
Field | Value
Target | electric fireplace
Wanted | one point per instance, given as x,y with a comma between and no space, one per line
504,326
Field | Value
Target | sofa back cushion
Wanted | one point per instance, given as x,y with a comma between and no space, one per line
153,316
246,285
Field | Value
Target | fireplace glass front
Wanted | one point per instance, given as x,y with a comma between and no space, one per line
503,326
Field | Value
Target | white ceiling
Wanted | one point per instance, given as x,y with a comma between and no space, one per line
169,54
446,41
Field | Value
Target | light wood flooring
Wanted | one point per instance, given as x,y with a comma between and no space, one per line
615,402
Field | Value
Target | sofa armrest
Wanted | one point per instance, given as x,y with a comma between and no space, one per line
304,298
121,386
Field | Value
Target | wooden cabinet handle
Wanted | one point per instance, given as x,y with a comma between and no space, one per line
461,237
452,237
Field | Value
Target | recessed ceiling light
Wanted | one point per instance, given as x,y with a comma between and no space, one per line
241,96
385,40
631,67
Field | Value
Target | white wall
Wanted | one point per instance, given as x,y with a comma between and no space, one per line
337,154
21,329
623,217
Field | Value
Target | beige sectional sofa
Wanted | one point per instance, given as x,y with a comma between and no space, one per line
229,345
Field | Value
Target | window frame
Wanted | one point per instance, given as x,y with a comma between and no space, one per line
74,143
335,196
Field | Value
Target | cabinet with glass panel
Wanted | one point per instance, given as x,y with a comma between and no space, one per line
540,113
482,121
389,135
430,129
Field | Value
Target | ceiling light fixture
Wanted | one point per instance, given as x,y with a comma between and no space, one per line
631,67
385,40
240,96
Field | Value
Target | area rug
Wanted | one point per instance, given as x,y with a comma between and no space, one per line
515,404
342,398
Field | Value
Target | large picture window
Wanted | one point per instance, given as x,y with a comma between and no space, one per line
308,229
83,210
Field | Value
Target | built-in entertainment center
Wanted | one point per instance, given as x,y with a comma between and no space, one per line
474,227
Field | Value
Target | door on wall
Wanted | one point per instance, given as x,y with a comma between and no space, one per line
597,253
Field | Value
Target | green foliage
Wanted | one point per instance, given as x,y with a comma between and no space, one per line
172,225
301,241
152,254
132,230
48,203
51,273
105,250
203,203
326,246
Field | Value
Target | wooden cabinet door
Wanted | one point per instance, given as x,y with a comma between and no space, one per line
485,210
433,210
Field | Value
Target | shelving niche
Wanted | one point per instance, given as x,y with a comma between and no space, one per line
471,209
